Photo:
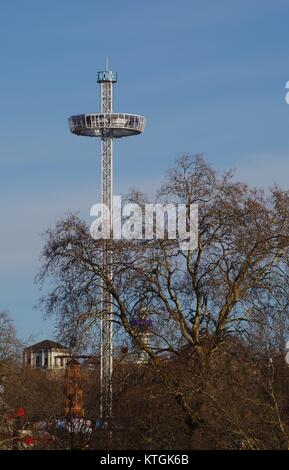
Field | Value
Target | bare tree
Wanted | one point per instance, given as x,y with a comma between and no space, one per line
10,346
195,299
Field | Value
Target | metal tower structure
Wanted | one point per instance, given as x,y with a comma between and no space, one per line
108,126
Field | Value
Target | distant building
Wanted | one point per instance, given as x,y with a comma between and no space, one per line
46,355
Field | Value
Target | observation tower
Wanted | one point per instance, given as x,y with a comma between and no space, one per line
108,126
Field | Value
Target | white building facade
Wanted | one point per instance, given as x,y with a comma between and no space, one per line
46,355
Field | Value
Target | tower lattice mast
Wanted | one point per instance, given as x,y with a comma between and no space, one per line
106,324
108,126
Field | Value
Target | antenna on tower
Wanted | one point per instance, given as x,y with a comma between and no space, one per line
106,63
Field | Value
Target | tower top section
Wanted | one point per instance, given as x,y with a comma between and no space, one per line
107,123
106,76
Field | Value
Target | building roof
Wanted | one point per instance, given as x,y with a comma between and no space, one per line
47,344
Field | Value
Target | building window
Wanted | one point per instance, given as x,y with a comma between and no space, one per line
45,358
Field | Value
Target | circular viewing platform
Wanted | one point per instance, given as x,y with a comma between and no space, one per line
107,125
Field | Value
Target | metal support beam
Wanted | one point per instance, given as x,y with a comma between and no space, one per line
106,329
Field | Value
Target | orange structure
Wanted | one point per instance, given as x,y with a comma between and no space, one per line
73,389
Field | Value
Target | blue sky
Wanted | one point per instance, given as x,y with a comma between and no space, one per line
208,75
